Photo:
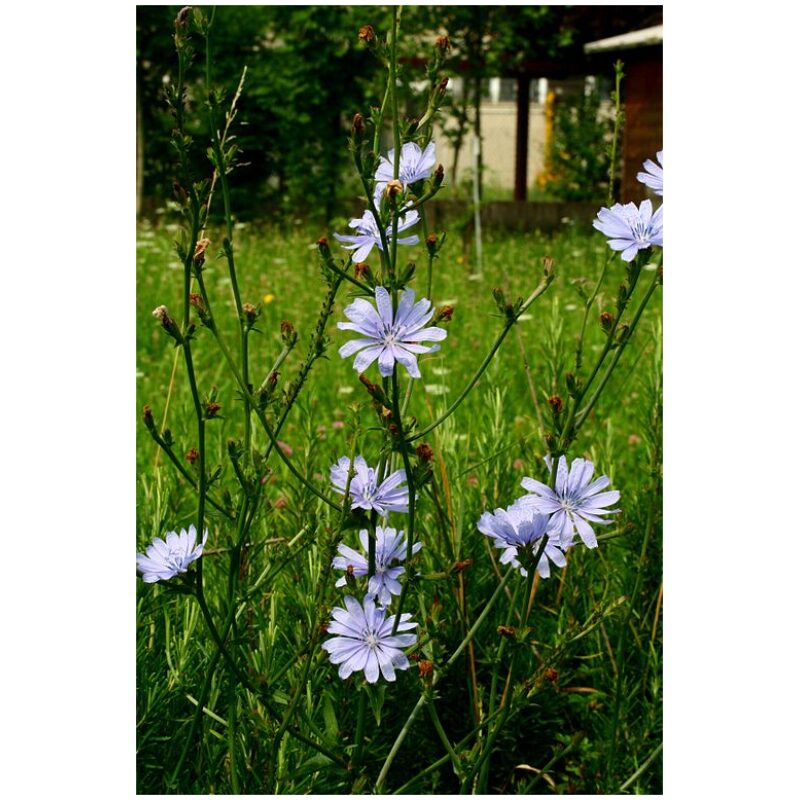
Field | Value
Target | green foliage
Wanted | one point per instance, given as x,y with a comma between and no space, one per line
307,74
579,156
486,448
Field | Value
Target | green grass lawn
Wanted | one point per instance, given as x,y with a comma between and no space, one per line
587,706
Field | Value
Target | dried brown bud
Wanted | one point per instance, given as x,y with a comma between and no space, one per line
322,242
425,668
200,251
149,422
323,627
288,333
368,384
212,409
367,34
415,657
425,452
360,269
273,379
443,44
393,188
607,321
548,265
358,125
442,87
161,313
183,15
556,403
438,176
506,630
551,675
444,314
431,240
192,455
460,566
393,429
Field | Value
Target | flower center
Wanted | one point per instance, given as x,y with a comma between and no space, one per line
640,232
371,641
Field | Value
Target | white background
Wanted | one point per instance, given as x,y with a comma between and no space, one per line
69,411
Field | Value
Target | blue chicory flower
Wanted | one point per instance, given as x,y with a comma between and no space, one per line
390,546
415,165
363,640
517,531
631,229
368,234
390,337
574,503
165,559
364,490
653,177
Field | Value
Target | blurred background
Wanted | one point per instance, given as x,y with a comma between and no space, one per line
528,111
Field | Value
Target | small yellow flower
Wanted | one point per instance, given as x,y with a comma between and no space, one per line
268,297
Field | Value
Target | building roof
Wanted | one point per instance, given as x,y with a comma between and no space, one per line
626,41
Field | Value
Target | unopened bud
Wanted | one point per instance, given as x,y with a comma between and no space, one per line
288,334
393,429
349,577
550,441
556,403
573,384
499,298
367,34
607,321
424,452
358,126
548,266
444,314
149,422
441,88
324,249
622,296
212,409
430,243
192,455
200,251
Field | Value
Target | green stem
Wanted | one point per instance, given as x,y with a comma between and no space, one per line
436,678
437,724
540,289
618,353
412,494
245,681
639,772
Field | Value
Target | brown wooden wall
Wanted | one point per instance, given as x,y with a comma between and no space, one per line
643,133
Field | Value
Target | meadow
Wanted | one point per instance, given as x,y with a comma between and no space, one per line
585,710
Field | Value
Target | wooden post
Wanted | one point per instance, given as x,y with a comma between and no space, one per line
523,115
